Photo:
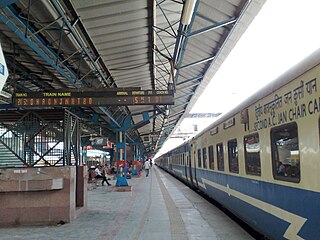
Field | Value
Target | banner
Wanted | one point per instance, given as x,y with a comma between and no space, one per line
3,70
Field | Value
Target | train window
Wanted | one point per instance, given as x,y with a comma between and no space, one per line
199,157
220,158
211,160
285,153
252,154
204,157
233,156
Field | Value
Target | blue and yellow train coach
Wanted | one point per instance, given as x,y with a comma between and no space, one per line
262,159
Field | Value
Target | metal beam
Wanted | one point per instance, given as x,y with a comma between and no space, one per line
183,96
177,113
77,38
193,85
198,62
109,115
15,29
213,27
40,52
182,42
5,3
190,79
183,104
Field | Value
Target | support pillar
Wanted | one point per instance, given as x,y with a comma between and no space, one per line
135,163
121,159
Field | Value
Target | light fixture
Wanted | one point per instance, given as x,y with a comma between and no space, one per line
188,10
5,94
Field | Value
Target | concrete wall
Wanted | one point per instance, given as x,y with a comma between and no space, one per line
40,196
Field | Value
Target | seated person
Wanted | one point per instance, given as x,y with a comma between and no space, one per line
100,174
91,174
282,169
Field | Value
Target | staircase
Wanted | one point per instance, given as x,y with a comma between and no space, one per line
8,159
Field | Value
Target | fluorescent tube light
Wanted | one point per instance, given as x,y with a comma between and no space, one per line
188,10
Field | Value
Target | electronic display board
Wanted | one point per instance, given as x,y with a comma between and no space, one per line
97,97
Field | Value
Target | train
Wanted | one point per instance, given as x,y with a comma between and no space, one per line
261,160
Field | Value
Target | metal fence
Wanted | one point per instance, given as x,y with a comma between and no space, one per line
39,138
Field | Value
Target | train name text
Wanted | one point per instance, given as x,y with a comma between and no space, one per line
290,97
62,101
300,111
270,114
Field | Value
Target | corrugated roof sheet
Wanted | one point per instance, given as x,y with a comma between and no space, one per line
120,43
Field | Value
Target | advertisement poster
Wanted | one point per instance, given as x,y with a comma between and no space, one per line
3,70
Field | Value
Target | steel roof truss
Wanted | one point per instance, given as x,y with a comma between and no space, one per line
183,96
198,78
160,83
212,27
198,62
159,6
38,47
78,39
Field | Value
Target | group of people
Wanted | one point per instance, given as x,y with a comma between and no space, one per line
99,172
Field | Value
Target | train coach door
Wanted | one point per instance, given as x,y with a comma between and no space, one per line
184,161
189,165
194,175
195,167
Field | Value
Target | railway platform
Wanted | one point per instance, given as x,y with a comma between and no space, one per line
157,207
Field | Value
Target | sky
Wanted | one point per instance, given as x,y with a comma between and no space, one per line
282,34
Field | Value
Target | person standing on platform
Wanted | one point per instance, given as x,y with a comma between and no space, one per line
147,167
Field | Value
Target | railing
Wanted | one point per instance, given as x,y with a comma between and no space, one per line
11,147
36,139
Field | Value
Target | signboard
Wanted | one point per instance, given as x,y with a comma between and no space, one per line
3,70
214,131
229,123
97,97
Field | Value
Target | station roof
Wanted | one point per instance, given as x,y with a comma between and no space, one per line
138,44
